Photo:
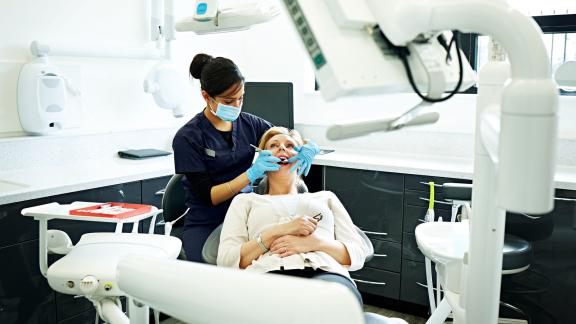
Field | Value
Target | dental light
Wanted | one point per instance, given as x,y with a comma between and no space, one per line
209,18
566,76
379,46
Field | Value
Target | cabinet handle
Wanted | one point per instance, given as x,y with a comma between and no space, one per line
380,255
436,201
428,185
370,282
565,199
421,220
530,216
426,286
375,233
160,192
421,284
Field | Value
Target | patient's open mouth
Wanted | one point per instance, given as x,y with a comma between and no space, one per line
283,160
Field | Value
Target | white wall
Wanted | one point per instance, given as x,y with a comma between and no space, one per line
113,99
112,88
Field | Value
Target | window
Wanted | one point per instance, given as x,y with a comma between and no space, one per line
557,18
561,48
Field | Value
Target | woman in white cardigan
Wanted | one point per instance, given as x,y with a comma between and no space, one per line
307,235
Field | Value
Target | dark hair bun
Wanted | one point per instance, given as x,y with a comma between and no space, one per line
198,64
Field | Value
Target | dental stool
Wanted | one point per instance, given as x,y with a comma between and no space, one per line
210,254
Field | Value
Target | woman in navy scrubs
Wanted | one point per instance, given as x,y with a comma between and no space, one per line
213,151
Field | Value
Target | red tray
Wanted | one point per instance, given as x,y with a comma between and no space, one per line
112,210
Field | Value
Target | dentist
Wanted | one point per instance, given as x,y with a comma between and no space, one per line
213,151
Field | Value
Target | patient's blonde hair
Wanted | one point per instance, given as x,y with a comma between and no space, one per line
273,131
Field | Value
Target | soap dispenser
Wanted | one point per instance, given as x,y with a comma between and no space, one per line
42,97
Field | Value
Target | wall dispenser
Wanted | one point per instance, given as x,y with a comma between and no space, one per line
42,97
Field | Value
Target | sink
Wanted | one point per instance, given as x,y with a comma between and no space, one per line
7,186
443,242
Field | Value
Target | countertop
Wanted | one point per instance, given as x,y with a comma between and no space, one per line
31,183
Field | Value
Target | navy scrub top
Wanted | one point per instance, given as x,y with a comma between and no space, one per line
200,147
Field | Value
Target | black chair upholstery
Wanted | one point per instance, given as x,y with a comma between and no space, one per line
173,206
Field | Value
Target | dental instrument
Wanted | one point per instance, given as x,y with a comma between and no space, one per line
283,160
256,148
429,217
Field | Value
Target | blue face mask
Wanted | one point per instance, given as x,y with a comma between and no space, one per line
227,113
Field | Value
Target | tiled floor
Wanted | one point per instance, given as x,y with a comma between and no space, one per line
412,319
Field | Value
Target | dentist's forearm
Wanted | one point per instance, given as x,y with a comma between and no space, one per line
228,190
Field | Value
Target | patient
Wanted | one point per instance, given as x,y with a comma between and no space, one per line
306,235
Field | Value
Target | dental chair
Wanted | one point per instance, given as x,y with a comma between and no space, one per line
210,253
89,268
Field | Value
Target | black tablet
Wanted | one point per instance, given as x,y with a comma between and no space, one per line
142,154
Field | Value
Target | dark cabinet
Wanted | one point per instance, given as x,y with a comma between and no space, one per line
14,228
378,282
413,284
373,200
25,296
386,255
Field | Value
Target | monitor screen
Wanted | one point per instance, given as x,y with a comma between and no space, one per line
272,101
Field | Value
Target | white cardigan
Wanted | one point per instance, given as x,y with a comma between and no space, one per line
251,214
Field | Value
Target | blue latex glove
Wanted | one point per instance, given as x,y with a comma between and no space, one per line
304,158
264,162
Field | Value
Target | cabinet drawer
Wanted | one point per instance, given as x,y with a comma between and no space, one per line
410,249
421,198
414,215
373,199
420,183
15,228
413,284
386,256
25,296
377,282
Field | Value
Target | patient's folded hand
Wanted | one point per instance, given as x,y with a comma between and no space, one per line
290,244
301,226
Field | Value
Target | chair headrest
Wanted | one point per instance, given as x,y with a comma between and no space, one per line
262,187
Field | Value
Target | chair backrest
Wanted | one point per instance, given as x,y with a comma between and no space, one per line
210,248
173,201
